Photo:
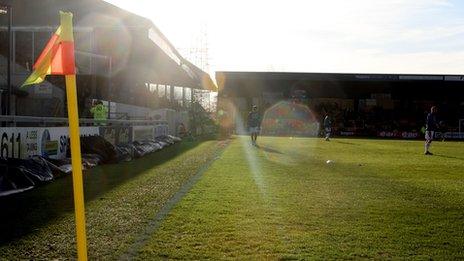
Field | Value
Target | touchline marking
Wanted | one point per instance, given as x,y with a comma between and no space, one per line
164,211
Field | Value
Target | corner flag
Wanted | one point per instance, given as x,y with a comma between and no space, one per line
58,56
58,59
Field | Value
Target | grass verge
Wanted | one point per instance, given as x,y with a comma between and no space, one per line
120,201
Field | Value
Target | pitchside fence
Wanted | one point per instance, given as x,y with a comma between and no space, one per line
23,136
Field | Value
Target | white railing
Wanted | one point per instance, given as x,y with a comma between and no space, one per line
12,121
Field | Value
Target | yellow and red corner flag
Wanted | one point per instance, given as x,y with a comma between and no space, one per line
58,58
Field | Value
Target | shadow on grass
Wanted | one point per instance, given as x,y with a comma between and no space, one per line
23,213
448,157
268,149
345,142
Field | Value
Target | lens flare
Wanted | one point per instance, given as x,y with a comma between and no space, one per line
250,153
289,119
104,45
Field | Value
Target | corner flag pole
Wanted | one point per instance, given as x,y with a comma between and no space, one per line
74,136
67,40
76,162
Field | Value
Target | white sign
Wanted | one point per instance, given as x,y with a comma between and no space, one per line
421,77
21,142
454,135
142,133
161,130
454,78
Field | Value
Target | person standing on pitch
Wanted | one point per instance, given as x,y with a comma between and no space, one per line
254,122
327,127
431,126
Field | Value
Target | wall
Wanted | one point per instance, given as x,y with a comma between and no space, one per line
24,142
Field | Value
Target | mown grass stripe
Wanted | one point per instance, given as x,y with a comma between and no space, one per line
164,211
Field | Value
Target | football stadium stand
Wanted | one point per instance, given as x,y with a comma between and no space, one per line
384,105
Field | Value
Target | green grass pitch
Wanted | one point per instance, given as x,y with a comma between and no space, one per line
380,199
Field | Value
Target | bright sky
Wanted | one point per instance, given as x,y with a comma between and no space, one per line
369,36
